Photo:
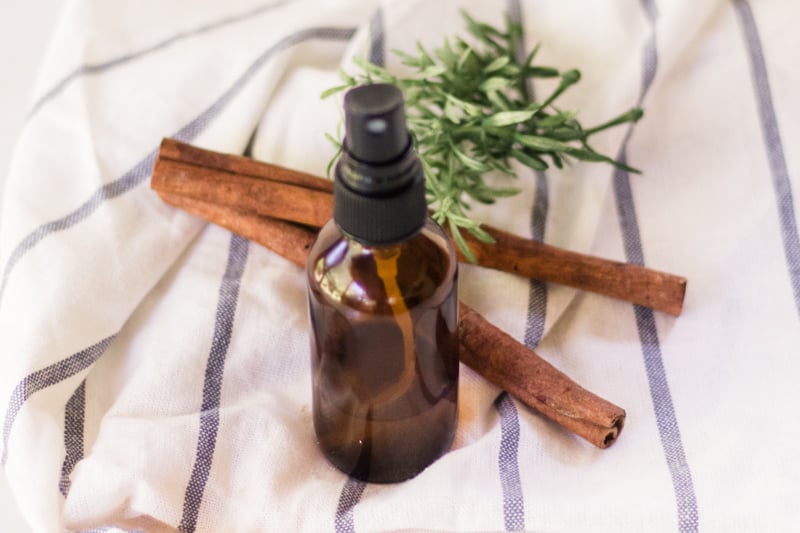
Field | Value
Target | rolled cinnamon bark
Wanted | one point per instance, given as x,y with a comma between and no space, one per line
486,349
289,240
500,359
624,281
276,192
242,183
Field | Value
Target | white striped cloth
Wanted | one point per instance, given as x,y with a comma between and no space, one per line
155,370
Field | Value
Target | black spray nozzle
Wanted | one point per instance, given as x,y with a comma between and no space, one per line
375,124
379,192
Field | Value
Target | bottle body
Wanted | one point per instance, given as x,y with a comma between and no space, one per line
384,351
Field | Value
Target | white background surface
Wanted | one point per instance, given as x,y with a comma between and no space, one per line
25,29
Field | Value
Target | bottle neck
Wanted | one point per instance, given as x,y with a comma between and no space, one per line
384,251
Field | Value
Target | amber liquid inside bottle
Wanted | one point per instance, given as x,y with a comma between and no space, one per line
384,352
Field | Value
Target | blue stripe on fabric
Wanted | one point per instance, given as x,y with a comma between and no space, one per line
46,377
110,190
348,499
212,385
508,462
772,139
666,419
508,455
141,171
537,290
376,39
353,488
74,416
96,68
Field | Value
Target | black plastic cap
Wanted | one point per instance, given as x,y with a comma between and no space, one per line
375,123
379,192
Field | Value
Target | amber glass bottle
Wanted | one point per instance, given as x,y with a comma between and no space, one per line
383,305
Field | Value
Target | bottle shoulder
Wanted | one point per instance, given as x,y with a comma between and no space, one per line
347,273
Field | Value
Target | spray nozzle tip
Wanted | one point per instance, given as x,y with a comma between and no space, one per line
375,123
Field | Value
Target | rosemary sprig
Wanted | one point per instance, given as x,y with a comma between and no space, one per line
469,113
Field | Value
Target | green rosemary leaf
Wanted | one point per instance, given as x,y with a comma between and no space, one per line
462,60
431,72
541,72
452,112
592,156
338,145
566,134
568,79
505,192
623,166
529,160
496,64
511,70
543,144
495,84
496,98
469,162
571,77
531,55
425,59
506,118
346,78
406,59
553,121
446,55
460,242
333,90
481,195
633,115
503,166
588,155
469,114
334,142
464,222
481,234
468,107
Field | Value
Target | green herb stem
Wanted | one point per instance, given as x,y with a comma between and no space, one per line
469,113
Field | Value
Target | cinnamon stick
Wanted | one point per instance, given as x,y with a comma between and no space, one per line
277,192
500,359
486,349
623,281
289,240
243,183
